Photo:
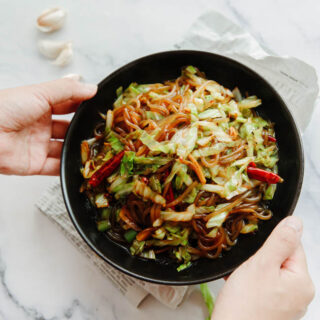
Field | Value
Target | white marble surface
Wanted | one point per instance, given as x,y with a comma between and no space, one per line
41,275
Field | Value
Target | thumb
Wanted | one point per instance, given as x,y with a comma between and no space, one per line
283,241
61,90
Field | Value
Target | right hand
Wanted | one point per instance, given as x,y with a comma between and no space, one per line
274,284
30,140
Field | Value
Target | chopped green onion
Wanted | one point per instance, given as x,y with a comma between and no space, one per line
103,225
191,69
208,298
130,235
270,191
105,213
184,266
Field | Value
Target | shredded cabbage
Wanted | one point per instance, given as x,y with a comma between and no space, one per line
209,113
176,134
176,216
208,151
217,131
250,102
153,145
116,145
183,175
154,115
249,228
101,200
217,220
185,140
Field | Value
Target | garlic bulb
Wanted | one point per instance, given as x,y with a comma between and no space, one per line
51,19
60,51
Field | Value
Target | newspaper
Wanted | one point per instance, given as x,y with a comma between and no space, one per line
52,205
293,79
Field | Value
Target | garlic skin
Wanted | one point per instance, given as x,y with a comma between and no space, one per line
65,56
61,51
51,19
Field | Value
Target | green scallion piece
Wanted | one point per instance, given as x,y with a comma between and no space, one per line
103,225
130,235
105,213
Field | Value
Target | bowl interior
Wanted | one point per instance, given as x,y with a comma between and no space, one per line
157,68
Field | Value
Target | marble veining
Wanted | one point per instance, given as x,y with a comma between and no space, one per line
41,275
31,312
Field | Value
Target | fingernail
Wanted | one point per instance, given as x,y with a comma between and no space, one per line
294,222
90,88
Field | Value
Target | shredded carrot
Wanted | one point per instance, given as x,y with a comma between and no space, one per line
233,132
183,195
142,150
197,169
145,234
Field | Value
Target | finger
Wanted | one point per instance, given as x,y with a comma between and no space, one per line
55,149
59,128
51,167
68,106
297,262
282,242
61,90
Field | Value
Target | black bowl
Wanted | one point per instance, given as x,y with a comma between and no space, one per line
156,68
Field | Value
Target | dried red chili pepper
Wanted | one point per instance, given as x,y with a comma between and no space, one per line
272,139
252,164
106,169
170,195
263,175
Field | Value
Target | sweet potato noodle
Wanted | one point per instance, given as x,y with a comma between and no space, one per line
181,168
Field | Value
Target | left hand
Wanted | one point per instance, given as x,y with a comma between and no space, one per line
30,140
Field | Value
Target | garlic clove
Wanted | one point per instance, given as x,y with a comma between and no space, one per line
65,56
74,76
51,49
61,51
51,19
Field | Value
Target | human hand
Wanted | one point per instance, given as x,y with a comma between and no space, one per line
30,140
274,284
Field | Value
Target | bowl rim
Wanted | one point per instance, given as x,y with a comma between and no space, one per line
109,77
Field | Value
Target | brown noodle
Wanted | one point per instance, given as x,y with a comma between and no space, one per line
171,104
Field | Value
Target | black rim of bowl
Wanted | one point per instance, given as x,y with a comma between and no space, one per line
63,173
